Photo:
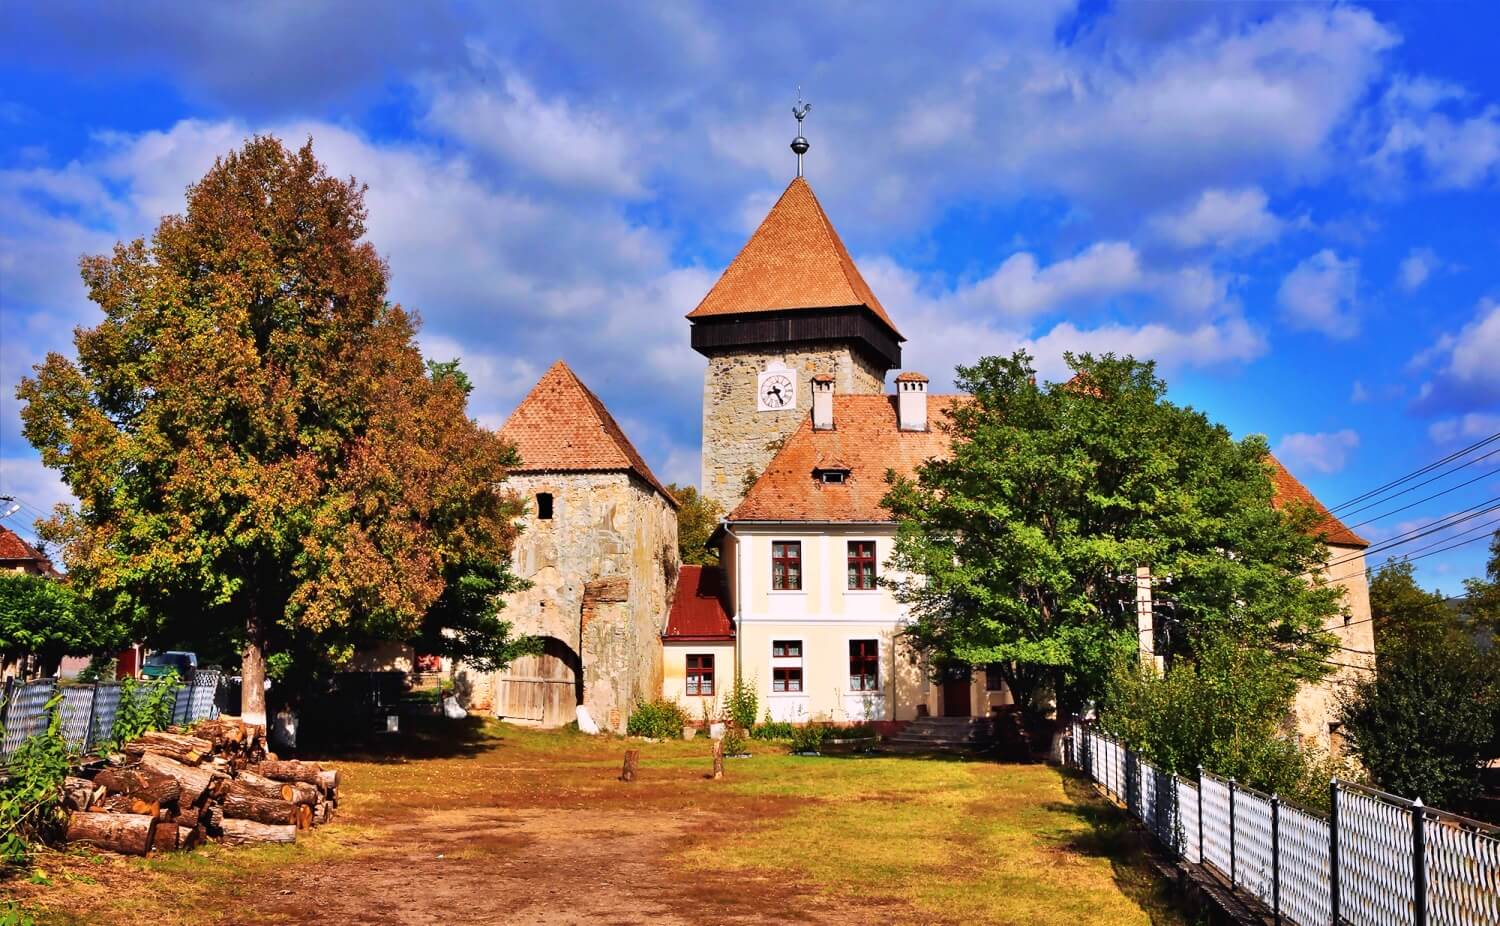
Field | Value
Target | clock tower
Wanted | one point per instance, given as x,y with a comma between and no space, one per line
791,305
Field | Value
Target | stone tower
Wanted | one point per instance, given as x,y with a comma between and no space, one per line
791,304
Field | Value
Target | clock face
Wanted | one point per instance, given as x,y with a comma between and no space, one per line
777,391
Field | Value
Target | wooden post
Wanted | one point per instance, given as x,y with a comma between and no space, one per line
632,761
719,759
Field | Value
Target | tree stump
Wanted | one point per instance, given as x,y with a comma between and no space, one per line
126,833
632,762
249,832
719,759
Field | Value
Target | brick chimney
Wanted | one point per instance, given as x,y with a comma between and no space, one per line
822,391
911,401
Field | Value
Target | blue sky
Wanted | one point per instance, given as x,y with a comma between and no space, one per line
1292,207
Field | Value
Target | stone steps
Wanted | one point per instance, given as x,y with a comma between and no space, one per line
960,735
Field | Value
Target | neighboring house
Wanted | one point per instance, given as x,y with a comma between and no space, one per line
599,545
794,396
698,645
16,555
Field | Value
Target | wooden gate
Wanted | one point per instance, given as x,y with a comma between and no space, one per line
543,689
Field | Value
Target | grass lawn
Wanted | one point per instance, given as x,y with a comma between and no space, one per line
493,823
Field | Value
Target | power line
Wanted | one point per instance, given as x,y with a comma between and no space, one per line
1429,498
1422,530
1412,559
1420,472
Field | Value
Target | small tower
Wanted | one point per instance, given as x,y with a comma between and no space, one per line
791,305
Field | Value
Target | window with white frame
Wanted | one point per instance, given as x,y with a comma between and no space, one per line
864,665
786,666
700,675
786,565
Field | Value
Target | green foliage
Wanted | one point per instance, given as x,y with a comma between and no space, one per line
734,742
12,914
30,797
465,624
144,706
742,705
1221,710
1481,602
1405,613
772,730
659,719
450,370
99,669
697,519
809,737
1425,723
44,616
1023,544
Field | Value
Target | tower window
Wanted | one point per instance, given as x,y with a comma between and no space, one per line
832,476
544,506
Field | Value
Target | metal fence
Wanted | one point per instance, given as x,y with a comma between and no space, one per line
1375,860
88,711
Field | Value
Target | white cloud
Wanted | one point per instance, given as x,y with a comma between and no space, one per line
1358,393
1416,268
1471,425
38,488
1465,374
1321,452
1319,295
1421,138
1220,218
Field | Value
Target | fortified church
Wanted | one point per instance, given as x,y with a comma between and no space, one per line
799,429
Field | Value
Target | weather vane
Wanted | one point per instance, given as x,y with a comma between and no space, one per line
799,144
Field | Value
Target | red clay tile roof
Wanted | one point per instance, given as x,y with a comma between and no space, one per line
698,612
866,438
911,376
1288,489
15,550
795,260
561,425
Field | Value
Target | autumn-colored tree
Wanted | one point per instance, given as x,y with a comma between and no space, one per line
257,448
697,518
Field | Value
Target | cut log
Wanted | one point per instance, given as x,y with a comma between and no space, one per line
251,783
289,770
180,746
125,803
632,762
304,816
328,780
146,784
719,759
226,733
240,805
165,838
209,818
78,793
128,834
196,784
190,837
239,832
304,793
322,812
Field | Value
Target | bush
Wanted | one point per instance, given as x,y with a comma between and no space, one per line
144,706
1424,723
30,799
734,742
659,719
772,730
809,738
742,705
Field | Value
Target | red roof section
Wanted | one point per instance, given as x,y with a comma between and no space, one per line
1288,489
698,612
867,439
15,550
561,425
795,260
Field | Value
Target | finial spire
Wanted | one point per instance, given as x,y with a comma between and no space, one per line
799,144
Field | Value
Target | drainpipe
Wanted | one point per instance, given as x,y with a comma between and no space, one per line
739,600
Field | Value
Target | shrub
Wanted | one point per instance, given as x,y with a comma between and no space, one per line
659,719
30,799
144,706
809,738
742,704
734,742
772,730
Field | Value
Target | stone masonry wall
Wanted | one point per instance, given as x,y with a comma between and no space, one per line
609,552
738,439
1317,705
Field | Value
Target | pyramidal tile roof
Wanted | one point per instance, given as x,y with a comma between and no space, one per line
795,260
561,425
1287,489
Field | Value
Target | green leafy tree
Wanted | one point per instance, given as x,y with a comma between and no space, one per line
1405,613
31,791
45,617
1425,723
1022,545
697,519
260,455
1481,601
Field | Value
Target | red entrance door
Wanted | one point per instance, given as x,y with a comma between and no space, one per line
957,692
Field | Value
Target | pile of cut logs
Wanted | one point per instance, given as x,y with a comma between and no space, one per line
177,788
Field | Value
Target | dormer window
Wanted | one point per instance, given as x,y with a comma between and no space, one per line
831,476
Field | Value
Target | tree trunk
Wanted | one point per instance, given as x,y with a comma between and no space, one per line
246,805
632,761
719,759
129,834
248,832
303,793
289,770
328,780
248,781
197,784
142,783
253,670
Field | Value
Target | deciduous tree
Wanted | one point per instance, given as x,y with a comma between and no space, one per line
697,518
257,448
1022,545
42,617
